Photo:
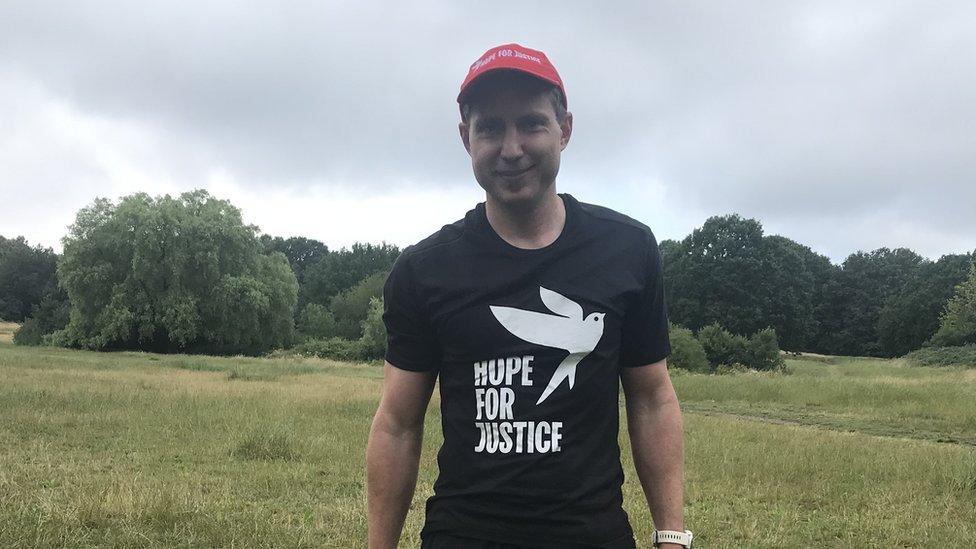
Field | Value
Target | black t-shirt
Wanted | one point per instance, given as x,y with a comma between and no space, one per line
528,345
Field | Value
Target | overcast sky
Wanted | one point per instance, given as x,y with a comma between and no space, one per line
843,125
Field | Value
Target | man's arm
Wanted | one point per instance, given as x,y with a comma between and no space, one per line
393,452
656,437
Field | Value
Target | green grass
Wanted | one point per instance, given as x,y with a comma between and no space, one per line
268,445
142,450
883,397
962,355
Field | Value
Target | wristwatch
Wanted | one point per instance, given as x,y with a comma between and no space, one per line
672,536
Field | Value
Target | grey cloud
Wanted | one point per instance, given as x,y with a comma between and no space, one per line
789,112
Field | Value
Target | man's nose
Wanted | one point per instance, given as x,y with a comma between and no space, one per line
511,145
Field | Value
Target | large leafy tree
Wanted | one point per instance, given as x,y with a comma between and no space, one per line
911,316
174,274
792,278
301,252
710,275
26,276
728,272
958,322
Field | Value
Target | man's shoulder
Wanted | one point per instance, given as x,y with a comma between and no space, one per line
440,239
616,220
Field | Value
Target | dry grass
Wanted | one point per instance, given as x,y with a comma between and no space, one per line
7,330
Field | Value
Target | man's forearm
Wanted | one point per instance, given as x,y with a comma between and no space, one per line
392,461
657,440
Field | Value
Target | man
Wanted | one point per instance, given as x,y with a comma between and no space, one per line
530,310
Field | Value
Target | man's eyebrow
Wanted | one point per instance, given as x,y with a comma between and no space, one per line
534,117
486,120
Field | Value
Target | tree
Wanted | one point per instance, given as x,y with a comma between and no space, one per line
350,307
373,342
910,317
711,274
316,321
174,274
301,252
763,351
27,274
958,322
721,347
728,272
832,336
50,316
343,269
851,308
792,278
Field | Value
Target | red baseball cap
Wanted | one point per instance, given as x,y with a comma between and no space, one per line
513,57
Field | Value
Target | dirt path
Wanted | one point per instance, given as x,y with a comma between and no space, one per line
878,430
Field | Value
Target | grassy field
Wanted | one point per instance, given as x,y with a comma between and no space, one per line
142,450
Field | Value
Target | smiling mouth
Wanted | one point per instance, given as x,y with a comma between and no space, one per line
513,173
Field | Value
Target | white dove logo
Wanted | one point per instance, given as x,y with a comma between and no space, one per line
568,331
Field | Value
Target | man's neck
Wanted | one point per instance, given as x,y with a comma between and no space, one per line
532,228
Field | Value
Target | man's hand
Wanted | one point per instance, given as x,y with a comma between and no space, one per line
656,438
393,452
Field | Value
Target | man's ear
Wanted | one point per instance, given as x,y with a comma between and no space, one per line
463,129
567,127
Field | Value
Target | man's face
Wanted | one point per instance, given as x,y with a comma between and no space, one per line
515,141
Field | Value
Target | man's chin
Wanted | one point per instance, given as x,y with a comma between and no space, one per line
517,193
525,197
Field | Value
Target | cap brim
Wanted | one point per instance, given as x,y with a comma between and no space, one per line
494,71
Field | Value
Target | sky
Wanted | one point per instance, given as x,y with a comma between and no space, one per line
843,125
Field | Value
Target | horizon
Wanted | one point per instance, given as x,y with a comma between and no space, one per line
345,245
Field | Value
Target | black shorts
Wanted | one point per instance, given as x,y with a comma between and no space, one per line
440,540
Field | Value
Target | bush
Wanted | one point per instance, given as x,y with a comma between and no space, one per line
29,333
964,355
721,347
730,352
686,351
50,316
335,348
763,351
370,346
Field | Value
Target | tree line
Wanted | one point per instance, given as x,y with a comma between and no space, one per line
882,303
186,274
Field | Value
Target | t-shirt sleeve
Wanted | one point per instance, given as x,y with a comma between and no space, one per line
411,344
644,338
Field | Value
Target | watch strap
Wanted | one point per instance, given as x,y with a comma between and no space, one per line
672,536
